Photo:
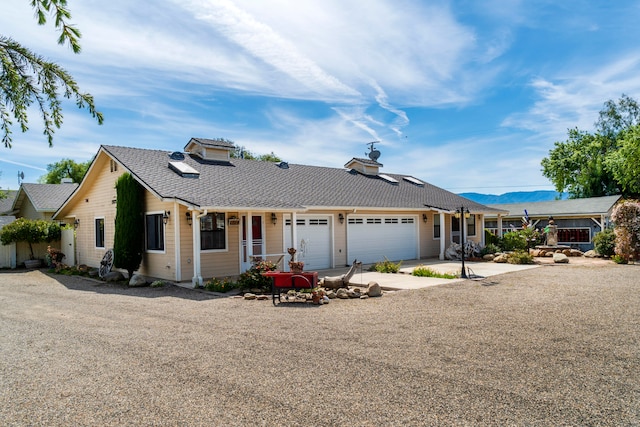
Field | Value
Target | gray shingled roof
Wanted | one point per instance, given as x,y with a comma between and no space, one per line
45,197
570,207
6,204
252,184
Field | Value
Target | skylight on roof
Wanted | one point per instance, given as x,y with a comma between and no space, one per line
388,178
413,181
184,170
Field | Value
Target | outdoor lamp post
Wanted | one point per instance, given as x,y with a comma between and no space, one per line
462,214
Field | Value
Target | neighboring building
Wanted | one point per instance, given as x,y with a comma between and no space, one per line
208,215
40,201
578,220
35,201
6,204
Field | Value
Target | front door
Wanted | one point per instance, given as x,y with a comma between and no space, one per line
256,237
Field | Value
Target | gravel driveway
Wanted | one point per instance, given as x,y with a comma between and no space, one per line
556,345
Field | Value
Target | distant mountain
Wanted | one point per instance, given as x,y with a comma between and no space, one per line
515,197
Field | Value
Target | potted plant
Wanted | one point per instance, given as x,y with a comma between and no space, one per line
31,231
295,266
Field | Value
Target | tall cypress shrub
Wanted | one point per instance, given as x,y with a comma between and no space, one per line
129,235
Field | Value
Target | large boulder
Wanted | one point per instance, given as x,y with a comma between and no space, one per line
374,289
591,254
560,258
502,258
113,276
137,281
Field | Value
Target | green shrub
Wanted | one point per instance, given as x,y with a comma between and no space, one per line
619,259
220,285
520,257
491,238
31,231
253,277
604,242
422,271
386,266
490,248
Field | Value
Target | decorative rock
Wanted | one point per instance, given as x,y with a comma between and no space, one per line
591,254
113,276
331,294
342,293
262,297
560,258
374,290
502,258
137,281
489,257
326,300
549,254
567,252
576,252
250,296
365,296
353,293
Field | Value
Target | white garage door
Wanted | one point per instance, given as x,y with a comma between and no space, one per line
372,238
314,241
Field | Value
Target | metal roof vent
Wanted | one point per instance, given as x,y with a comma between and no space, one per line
176,155
184,170
283,165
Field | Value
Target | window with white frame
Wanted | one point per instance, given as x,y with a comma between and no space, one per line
154,228
436,226
212,231
99,232
471,225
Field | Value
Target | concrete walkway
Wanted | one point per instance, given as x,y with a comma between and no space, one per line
404,279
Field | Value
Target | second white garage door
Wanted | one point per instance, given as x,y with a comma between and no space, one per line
372,238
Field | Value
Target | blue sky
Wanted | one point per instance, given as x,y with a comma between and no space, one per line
467,95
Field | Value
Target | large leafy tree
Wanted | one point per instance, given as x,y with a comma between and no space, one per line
596,164
624,163
65,168
129,233
27,78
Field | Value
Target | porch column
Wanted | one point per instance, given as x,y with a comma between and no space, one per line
196,280
482,240
499,225
294,231
443,236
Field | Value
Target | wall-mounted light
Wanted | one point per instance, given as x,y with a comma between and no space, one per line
274,218
165,216
189,219
76,223
425,218
341,218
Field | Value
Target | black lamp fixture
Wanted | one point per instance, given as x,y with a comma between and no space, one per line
189,219
165,217
76,223
462,213
425,218
274,218
341,218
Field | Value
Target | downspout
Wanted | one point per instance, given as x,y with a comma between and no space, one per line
196,280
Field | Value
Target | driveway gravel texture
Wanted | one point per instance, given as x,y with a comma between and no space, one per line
554,345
